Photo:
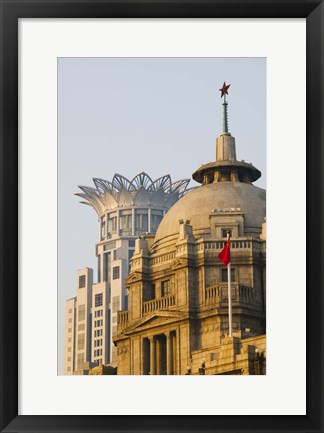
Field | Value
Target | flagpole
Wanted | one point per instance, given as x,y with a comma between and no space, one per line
229,295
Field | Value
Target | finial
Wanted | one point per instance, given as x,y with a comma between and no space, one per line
224,92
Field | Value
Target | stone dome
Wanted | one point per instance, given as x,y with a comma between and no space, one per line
197,205
227,194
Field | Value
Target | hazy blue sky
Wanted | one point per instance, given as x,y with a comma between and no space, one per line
158,115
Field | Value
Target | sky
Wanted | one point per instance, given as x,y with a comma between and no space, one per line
158,115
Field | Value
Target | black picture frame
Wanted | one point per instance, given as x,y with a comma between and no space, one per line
11,11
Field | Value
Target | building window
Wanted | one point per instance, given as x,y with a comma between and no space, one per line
156,218
82,281
130,255
106,266
112,225
81,341
152,291
81,312
225,275
115,254
68,369
225,231
70,310
98,300
131,243
165,288
141,222
125,223
70,320
103,230
115,304
99,269
69,330
69,349
70,340
69,359
97,324
81,327
116,272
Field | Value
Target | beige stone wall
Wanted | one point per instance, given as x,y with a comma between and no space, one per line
124,357
196,308
232,356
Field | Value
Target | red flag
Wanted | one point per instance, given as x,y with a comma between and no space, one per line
225,254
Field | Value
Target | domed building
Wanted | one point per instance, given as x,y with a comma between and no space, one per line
177,321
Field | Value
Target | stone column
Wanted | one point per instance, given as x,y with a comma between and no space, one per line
158,357
174,353
149,221
117,225
133,222
152,356
142,356
169,355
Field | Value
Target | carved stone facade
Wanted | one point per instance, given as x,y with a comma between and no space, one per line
178,302
177,319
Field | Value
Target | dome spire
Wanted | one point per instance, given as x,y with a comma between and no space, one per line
225,143
224,92
226,168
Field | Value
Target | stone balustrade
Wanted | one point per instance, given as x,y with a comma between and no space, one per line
163,258
219,245
122,319
216,294
158,304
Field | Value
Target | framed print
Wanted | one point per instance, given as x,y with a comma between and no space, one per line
128,94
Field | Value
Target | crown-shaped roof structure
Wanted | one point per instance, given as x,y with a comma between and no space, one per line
142,190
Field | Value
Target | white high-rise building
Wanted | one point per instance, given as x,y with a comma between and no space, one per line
126,210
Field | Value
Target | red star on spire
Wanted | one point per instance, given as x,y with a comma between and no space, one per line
224,89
